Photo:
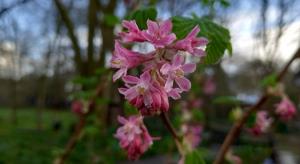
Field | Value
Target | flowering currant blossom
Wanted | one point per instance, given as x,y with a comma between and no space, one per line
262,123
209,87
77,107
133,136
133,34
124,59
176,72
192,135
149,91
164,65
191,43
159,34
285,109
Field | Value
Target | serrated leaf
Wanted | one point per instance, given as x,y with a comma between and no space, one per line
218,36
194,157
142,15
230,100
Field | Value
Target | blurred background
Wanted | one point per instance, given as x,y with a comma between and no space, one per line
55,52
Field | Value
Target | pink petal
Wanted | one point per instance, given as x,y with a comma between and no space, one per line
165,68
166,40
169,84
189,68
164,101
146,77
119,74
200,42
131,93
130,79
166,26
130,25
148,99
194,32
122,90
177,60
156,100
122,120
183,83
174,93
152,26
199,53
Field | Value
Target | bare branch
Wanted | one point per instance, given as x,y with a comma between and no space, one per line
70,27
236,129
4,10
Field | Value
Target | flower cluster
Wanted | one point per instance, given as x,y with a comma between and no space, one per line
133,136
164,69
262,123
192,135
285,109
163,75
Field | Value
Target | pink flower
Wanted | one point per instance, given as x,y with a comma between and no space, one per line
192,135
191,43
285,109
159,34
209,87
232,158
124,59
176,72
133,136
77,107
146,95
134,34
262,123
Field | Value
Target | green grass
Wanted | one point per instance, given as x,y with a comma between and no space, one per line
23,143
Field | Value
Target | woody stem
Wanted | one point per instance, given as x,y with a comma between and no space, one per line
172,130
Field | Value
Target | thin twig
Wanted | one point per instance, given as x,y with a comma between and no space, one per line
173,132
79,127
237,127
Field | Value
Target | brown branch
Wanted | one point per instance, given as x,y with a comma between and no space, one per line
4,10
173,132
70,28
237,127
169,126
80,125
92,19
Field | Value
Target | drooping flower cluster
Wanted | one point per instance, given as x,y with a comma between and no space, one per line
165,67
285,109
262,123
163,75
133,136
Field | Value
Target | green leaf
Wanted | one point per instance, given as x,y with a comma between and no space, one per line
142,15
129,109
111,20
229,100
270,80
218,36
85,81
225,3
194,157
198,115
251,120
